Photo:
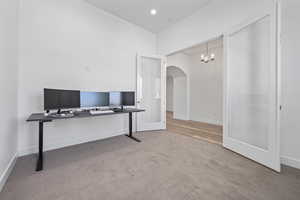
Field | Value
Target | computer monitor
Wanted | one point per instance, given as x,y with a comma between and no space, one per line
128,98
61,99
115,99
94,99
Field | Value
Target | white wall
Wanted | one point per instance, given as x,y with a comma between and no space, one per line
209,22
8,86
206,92
180,98
71,44
290,127
169,94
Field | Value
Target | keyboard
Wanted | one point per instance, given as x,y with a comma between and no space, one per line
62,115
97,112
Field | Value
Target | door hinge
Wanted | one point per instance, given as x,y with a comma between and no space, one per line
280,107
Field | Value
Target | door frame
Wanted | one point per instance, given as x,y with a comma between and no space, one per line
162,86
275,10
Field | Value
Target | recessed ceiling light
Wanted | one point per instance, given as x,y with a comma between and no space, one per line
153,12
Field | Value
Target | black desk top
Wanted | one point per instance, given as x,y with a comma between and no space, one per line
42,118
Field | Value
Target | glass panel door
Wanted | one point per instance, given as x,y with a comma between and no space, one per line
251,107
151,93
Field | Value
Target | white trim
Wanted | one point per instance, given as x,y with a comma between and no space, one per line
151,56
215,37
208,121
188,98
4,176
225,96
290,162
164,91
247,23
180,117
68,142
279,79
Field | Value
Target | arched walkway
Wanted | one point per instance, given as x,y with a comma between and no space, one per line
177,92
178,119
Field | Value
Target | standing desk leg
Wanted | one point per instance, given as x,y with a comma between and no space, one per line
39,165
130,129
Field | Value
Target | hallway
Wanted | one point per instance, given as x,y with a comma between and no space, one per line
202,131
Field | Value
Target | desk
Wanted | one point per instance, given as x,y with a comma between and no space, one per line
41,119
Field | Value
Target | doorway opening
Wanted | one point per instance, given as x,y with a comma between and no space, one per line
195,92
177,106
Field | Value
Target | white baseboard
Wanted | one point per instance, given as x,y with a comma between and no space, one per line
180,117
68,142
290,162
208,121
7,171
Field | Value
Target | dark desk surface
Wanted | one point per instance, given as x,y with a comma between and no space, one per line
42,118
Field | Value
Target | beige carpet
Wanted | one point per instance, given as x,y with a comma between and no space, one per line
163,167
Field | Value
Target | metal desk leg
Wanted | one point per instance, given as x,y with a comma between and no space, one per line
130,129
39,165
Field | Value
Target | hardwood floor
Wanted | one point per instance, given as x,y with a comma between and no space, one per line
198,130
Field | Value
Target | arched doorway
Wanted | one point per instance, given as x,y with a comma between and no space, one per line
177,93
202,118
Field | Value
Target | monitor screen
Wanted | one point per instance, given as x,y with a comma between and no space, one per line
115,99
128,98
60,99
94,99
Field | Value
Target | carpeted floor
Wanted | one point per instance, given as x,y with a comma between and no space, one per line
164,166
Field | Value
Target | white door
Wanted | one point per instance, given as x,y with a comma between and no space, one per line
251,101
151,92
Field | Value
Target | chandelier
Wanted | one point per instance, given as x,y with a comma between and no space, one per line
206,58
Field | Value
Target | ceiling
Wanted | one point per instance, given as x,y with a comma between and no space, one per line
138,11
199,49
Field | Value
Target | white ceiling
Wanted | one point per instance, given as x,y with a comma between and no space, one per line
138,11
